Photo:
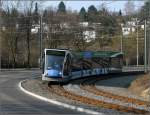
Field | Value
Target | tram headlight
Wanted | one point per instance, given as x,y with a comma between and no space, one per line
60,73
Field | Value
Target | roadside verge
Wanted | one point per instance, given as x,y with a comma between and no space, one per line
79,109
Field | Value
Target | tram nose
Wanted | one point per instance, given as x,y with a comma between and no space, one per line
53,73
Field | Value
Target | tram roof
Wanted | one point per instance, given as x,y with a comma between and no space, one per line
98,54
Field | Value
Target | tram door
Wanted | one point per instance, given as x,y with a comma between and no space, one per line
67,65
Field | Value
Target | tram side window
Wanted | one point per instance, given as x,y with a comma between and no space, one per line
67,65
76,65
95,62
100,62
106,62
87,63
115,62
121,61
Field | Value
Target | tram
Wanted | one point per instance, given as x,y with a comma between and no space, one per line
63,65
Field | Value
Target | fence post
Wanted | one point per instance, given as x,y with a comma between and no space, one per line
145,48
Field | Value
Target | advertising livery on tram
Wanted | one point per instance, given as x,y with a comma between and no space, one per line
62,65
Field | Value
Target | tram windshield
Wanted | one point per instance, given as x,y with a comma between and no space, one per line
54,60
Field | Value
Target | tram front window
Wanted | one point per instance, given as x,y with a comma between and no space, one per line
54,62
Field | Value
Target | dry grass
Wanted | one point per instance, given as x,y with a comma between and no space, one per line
141,86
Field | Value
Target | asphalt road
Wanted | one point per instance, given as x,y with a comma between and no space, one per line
15,102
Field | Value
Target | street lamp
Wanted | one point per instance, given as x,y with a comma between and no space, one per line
137,44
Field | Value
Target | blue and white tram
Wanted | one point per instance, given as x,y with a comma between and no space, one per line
63,65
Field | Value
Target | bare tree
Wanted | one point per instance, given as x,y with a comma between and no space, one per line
28,13
129,7
9,21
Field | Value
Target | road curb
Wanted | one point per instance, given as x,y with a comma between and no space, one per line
79,109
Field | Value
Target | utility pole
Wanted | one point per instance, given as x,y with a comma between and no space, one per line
41,41
137,44
145,48
121,38
0,36
121,42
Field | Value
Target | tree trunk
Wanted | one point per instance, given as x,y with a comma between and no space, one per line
28,44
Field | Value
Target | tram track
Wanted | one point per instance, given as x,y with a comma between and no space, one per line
99,92
89,85
59,90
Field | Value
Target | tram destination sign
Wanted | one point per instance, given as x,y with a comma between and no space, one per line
55,53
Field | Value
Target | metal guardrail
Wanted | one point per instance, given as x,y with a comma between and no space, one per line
135,68
18,69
